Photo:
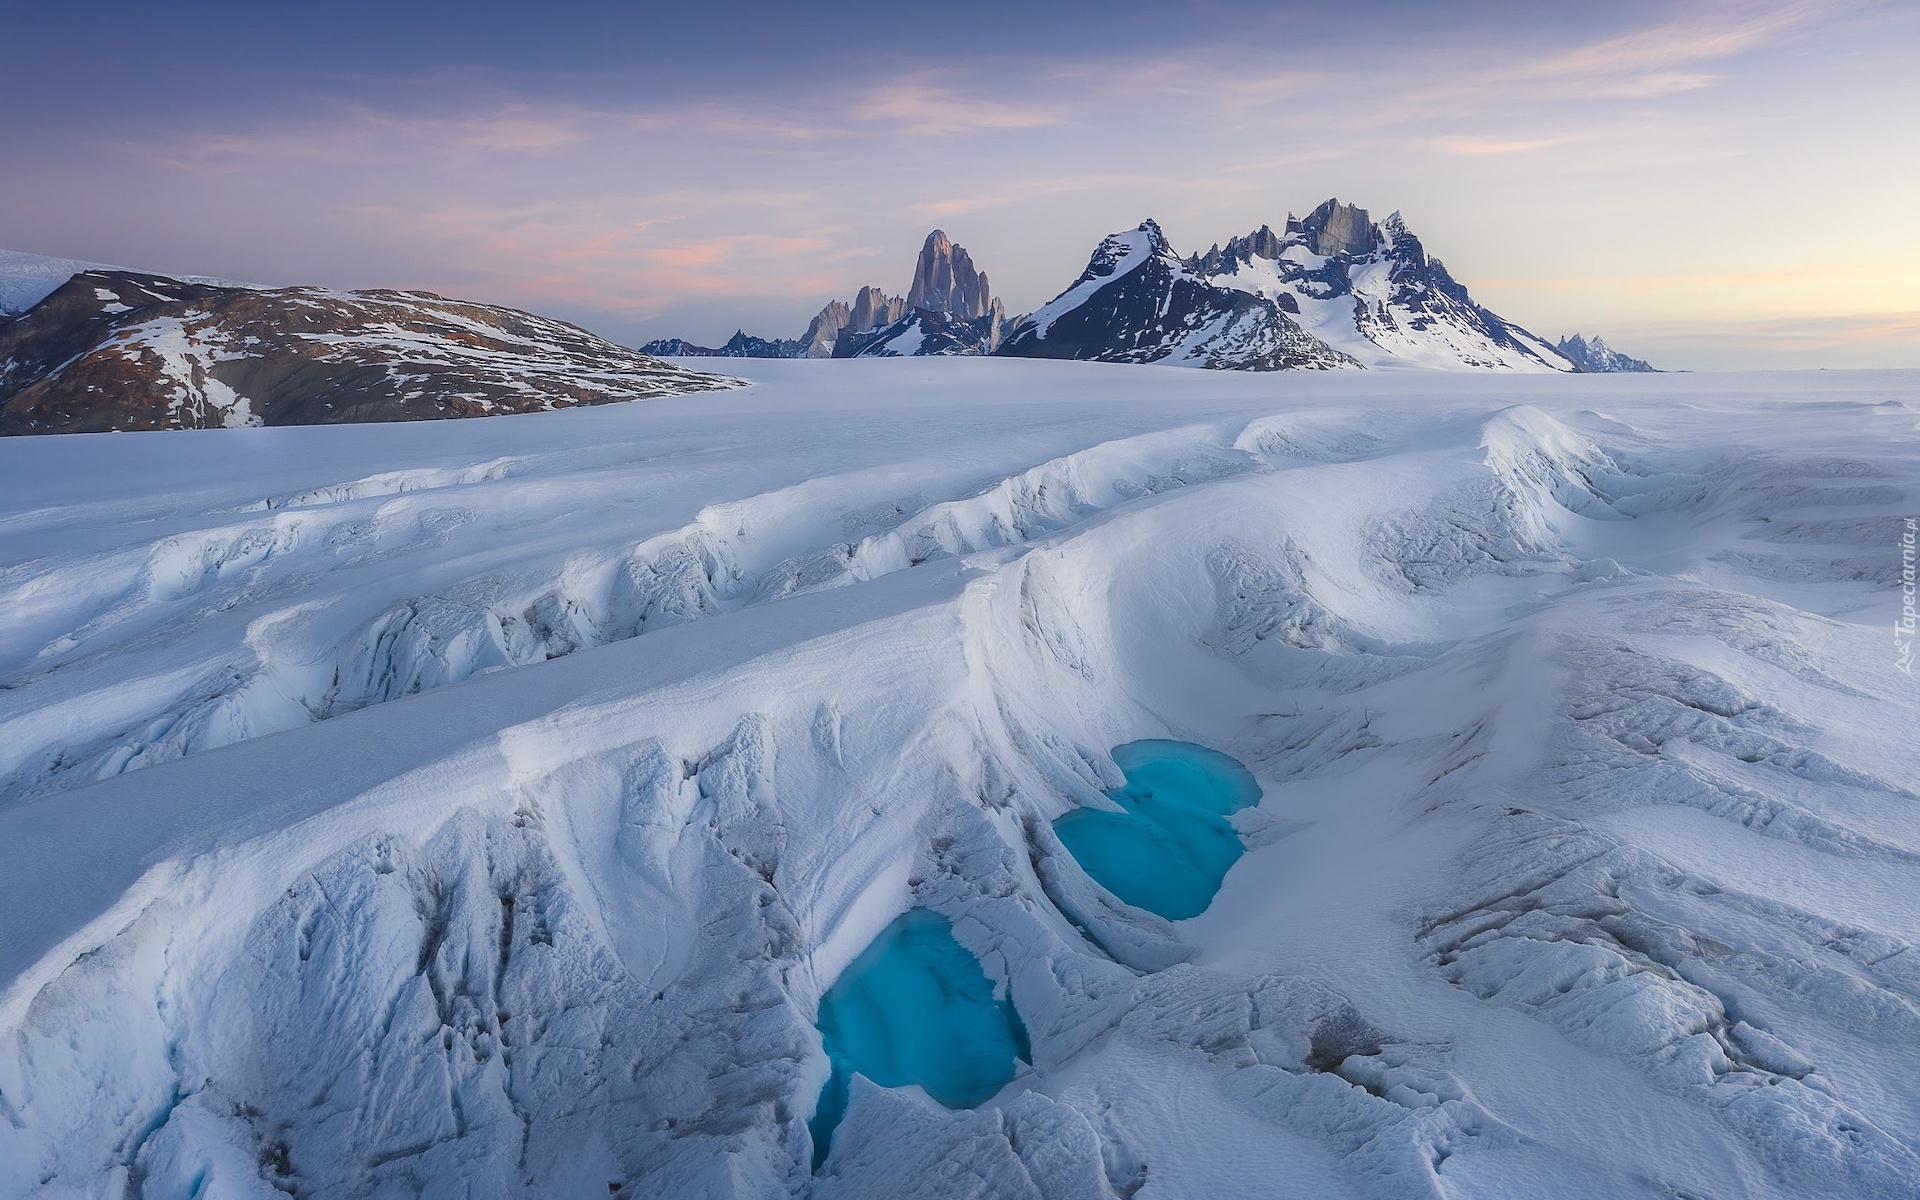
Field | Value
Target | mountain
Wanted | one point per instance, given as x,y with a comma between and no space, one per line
925,331
1368,290
112,350
1138,302
944,280
1594,355
740,346
871,309
950,309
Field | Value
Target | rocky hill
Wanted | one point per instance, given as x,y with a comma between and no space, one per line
113,350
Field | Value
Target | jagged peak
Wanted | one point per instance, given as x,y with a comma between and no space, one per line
1335,228
945,280
1151,228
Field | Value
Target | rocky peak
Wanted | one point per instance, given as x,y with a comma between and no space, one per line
1261,243
1122,252
873,308
944,280
817,341
1335,228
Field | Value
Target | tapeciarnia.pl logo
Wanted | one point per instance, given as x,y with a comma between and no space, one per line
1903,629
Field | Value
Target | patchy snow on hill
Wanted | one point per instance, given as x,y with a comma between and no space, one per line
483,808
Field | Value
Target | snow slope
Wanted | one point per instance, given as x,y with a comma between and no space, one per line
481,808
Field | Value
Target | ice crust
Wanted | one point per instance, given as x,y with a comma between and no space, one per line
483,809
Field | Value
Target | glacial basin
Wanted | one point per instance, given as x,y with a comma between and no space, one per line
916,1008
1171,847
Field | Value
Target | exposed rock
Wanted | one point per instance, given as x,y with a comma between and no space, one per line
112,350
873,308
1261,243
1333,228
944,280
824,329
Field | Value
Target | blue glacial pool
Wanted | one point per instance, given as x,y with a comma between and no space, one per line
915,1007
1170,848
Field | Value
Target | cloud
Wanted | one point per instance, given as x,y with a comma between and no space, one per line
1706,33
1480,146
922,103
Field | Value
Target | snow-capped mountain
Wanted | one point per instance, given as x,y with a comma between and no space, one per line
1335,289
1594,355
1369,290
1137,302
122,350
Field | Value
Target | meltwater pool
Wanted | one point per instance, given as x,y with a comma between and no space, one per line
915,1008
1170,848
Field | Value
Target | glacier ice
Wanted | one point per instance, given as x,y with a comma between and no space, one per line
1582,862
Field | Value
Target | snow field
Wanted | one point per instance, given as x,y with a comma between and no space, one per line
1582,864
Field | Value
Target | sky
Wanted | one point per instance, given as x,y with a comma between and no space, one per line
1715,184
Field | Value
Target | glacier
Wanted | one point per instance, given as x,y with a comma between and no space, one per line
485,808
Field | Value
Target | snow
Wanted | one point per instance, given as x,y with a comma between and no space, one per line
907,342
1367,327
1123,251
27,279
484,807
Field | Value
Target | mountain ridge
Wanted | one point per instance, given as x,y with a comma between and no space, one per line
1332,289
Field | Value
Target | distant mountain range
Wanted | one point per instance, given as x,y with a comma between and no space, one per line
87,348
1334,289
113,350
948,309
1596,356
